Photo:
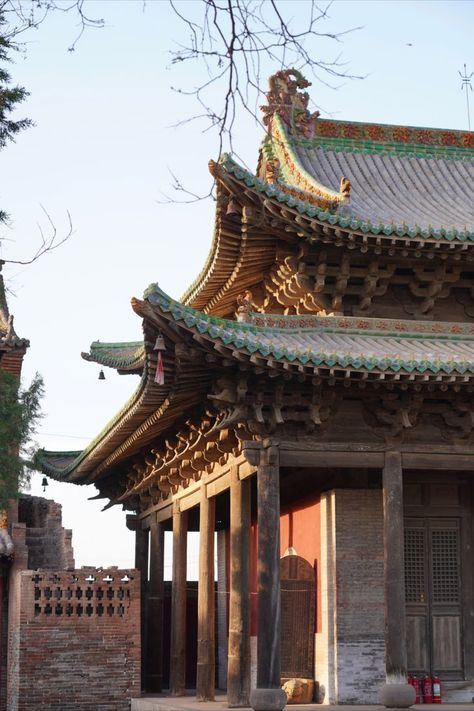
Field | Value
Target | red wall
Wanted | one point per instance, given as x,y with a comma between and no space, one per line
300,529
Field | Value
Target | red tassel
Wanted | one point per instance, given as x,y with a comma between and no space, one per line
160,371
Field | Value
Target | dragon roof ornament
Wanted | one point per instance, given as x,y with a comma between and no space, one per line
286,98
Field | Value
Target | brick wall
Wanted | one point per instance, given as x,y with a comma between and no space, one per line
350,647
49,544
11,361
78,640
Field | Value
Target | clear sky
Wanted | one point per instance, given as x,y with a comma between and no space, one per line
102,149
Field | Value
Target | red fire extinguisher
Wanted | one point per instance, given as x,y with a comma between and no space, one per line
427,687
436,683
415,682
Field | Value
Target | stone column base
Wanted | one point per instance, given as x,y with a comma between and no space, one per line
397,696
268,699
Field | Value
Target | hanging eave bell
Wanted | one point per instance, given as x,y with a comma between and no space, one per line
159,343
160,368
234,210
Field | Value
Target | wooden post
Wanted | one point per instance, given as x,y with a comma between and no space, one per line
141,564
396,692
155,609
206,651
178,603
268,694
238,664
268,569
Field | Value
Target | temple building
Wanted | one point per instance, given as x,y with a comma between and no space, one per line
310,399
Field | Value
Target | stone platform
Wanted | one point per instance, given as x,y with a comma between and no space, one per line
159,702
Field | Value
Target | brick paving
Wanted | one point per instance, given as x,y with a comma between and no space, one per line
160,702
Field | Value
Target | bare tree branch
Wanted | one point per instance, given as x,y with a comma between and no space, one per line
178,187
235,40
23,15
49,242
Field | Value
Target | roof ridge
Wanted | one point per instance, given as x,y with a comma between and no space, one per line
397,134
115,344
269,322
435,129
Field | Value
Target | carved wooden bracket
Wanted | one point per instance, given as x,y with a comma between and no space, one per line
262,408
391,414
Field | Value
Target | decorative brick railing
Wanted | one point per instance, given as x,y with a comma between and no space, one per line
75,645
82,593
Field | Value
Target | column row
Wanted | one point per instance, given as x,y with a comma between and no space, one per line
268,692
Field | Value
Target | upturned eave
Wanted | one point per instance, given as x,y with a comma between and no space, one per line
330,348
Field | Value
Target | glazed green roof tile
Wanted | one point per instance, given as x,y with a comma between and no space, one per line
342,216
378,346
405,181
53,462
121,356
383,345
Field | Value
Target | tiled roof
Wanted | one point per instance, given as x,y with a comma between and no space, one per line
381,349
52,462
404,181
381,345
342,216
124,357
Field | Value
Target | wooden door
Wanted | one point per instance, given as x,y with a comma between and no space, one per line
433,596
298,603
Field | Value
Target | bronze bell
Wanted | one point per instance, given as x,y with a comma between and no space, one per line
233,208
159,343
101,375
44,483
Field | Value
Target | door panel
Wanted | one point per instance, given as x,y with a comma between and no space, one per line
417,642
446,643
433,596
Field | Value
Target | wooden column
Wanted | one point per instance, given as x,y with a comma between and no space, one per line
206,648
396,691
268,569
238,664
141,564
395,624
155,609
178,603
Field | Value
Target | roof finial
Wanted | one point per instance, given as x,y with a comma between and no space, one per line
291,105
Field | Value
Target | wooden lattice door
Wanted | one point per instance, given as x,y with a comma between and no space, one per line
433,596
298,602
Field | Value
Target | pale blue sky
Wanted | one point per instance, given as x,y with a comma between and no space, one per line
102,149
